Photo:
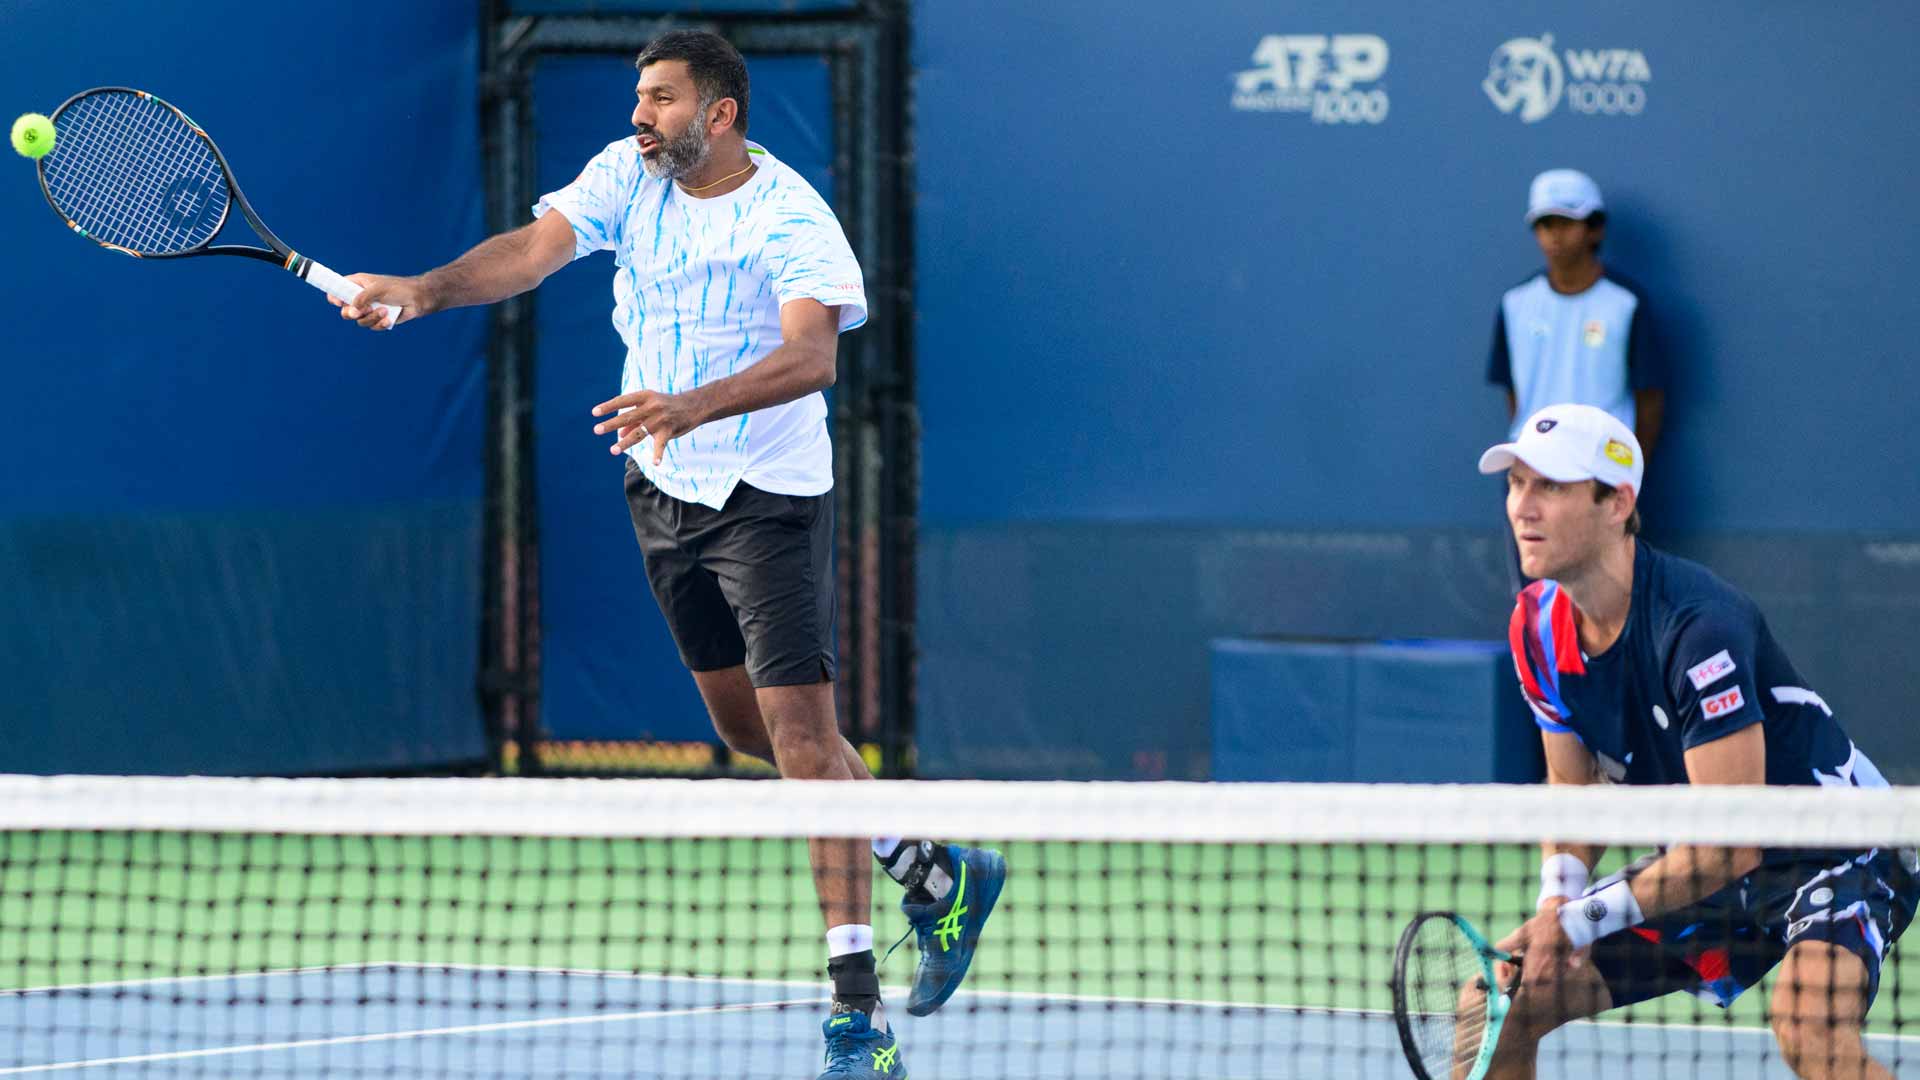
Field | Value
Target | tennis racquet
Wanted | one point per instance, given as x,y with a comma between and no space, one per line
1449,1021
135,175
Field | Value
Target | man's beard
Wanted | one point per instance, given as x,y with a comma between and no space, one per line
680,156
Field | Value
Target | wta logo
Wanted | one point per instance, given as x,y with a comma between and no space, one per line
1327,77
1528,79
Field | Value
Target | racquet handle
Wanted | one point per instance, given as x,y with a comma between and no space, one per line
341,289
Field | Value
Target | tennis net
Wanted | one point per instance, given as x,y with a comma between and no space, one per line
584,928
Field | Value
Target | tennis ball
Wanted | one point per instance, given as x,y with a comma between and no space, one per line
33,135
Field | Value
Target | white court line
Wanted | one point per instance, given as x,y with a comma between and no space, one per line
1014,995
518,969
1737,1031
590,973
1110,999
158,979
395,1036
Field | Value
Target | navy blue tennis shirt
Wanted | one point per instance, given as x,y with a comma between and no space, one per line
1696,662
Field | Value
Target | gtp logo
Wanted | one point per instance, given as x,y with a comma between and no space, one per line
1316,74
1721,704
1527,77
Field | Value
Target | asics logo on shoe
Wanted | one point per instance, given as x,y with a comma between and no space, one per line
883,1059
948,930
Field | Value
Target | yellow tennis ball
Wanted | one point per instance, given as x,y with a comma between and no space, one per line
33,135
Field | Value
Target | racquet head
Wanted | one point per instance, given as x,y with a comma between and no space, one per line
1448,1017
134,174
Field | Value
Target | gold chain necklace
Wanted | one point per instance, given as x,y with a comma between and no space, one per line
716,183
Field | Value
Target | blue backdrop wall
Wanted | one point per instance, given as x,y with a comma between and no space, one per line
1205,296
238,534
1204,301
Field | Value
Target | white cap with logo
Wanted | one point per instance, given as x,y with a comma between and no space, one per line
1570,443
1567,193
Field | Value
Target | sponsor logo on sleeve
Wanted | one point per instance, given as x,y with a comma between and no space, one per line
1722,704
1711,670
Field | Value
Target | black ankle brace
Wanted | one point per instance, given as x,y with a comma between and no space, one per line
913,860
855,983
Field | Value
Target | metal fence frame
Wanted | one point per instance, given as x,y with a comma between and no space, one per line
876,425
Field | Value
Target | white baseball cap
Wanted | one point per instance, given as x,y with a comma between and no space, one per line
1567,193
1569,443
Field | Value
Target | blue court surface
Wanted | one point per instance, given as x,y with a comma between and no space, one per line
419,1020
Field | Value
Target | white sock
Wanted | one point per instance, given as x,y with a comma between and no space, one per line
885,846
849,938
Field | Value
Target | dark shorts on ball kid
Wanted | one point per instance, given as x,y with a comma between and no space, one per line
749,583
1723,945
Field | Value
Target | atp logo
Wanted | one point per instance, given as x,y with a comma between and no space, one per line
1527,78
1317,74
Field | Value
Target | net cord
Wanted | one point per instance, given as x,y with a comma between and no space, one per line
1811,817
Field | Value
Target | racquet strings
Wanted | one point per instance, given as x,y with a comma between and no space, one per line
1448,1025
129,172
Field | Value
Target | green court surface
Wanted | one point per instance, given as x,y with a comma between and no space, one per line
1311,925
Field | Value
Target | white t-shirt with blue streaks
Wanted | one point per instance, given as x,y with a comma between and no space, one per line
697,290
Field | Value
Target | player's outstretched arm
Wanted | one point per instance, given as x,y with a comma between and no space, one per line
499,267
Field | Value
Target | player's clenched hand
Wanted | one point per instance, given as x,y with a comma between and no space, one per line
1548,955
405,293
645,414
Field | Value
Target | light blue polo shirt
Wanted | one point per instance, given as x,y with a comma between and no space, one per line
1590,348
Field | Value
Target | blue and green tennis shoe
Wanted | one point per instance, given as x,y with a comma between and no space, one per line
855,1051
948,930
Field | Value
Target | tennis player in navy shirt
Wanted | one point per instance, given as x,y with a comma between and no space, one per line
1644,668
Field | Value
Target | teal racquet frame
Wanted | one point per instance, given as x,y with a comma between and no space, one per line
1499,998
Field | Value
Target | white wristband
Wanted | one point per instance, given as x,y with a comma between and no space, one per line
1587,919
1562,874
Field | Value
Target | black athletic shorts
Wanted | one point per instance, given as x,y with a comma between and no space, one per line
750,583
1723,944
